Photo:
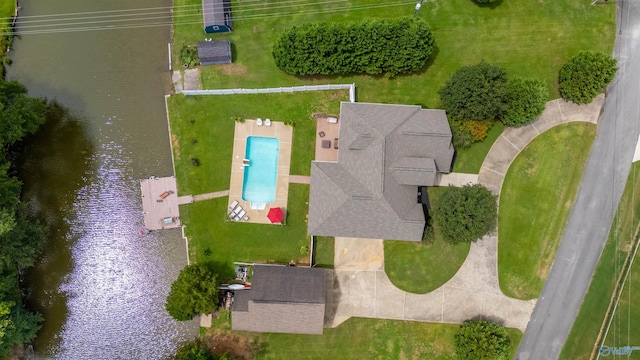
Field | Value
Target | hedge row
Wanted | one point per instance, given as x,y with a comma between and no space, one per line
373,46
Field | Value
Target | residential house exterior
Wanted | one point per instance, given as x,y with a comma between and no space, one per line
217,16
387,153
214,52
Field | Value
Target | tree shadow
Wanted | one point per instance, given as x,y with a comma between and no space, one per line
491,5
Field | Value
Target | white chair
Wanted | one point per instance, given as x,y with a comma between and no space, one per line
267,122
233,204
246,218
259,122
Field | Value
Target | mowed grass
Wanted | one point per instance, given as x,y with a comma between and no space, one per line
202,128
582,339
225,242
420,268
324,252
528,38
359,338
470,160
535,201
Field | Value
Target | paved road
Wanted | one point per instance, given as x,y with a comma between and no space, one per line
588,226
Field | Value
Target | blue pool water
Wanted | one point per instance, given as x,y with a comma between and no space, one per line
260,176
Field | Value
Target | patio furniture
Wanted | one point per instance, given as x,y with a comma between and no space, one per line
335,143
246,218
233,205
332,120
240,215
326,144
259,122
267,122
321,134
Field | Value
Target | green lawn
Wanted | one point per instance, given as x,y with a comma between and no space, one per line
226,242
470,160
420,268
535,201
359,338
585,330
201,127
324,251
528,38
7,10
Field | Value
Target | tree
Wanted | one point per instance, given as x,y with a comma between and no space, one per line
21,245
482,340
585,75
525,101
194,292
475,92
372,46
19,114
465,214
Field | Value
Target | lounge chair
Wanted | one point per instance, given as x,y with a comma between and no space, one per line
267,122
259,122
335,143
233,205
241,214
236,210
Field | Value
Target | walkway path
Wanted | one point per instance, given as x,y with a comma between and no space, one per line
212,195
513,140
299,179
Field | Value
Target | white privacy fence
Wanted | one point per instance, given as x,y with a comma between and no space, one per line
285,89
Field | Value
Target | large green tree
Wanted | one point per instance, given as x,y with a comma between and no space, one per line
194,292
524,102
19,114
465,214
482,340
585,75
372,46
475,92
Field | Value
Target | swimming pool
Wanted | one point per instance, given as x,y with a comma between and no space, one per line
259,184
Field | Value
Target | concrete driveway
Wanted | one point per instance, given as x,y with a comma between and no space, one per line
361,288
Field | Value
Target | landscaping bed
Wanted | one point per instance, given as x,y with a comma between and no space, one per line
536,199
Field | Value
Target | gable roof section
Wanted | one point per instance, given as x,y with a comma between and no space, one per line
284,299
371,192
216,12
214,52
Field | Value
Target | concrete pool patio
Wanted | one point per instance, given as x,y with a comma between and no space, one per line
242,131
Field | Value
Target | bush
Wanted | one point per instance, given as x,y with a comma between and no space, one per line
478,129
475,92
389,46
482,340
465,214
189,56
586,75
461,136
525,101
194,292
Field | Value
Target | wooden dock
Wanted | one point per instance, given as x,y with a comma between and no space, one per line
160,203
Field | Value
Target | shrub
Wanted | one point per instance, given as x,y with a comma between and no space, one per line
585,75
465,214
194,292
482,340
478,129
389,46
189,56
461,136
475,92
525,101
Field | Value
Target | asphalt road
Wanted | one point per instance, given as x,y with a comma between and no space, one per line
592,214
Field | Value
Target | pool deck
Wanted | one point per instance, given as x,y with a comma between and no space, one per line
242,131
160,201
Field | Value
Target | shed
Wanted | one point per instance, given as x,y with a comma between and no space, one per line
217,16
214,52
283,299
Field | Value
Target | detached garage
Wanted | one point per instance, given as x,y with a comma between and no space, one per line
214,52
217,16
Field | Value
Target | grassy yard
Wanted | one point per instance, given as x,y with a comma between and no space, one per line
470,160
226,242
359,338
420,268
592,312
528,38
536,198
202,127
324,251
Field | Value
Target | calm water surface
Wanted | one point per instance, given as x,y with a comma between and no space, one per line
101,285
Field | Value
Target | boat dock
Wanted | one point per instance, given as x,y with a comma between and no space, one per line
160,203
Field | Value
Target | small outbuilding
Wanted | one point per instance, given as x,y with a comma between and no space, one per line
217,16
282,299
214,52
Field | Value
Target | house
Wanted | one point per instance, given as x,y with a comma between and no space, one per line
387,154
214,52
217,16
282,299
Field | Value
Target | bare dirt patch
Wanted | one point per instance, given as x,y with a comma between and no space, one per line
176,146
236,346
233,69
